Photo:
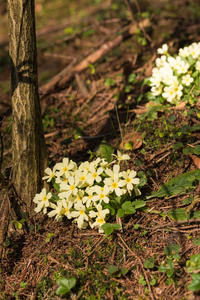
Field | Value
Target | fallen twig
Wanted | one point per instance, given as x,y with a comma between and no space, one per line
59,84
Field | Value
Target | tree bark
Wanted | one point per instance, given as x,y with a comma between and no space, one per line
28,143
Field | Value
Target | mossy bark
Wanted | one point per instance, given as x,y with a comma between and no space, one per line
28,144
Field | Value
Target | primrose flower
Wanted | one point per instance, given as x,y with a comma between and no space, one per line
50,174
169,93
42,201
79,214
71,187
67,205
101,193
79,196
130,180
65,167
94,174
89,197
184,52
194,50
82,177
198,65
114,182
156,90
163,50
100,216
187,80
161,62
84,165
182,67
121,156
58,210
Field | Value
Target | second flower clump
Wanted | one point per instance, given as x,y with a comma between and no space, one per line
176,78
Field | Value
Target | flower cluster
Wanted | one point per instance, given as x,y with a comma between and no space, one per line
174,77
85,192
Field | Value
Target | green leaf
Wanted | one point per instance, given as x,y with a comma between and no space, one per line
178,214
129,145
197,241
149,263
105,150
153,282
128,207
170,272
193,265
112,269
141,280
197,150
176,248
120,213
111,209
18,225
168,250
195,284
177,185
195,215
56,185
124,271
65,285
54,197
108,228
138,204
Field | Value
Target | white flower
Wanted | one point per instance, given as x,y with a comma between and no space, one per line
102,193
184,52
67,205
163,50
182,68
79,214
171,61
198,65
194,50
100,216
42,201
65,167
169,93
89,197
84,165
58,210
187,80
94,174
71,187
129,180
178,90
61,179
114,182
82,176
156,81
156,90
50,174
121,156
104,164
79,196
160,62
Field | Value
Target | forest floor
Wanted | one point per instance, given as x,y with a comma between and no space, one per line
104,101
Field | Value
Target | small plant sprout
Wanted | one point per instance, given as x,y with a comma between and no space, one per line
89,193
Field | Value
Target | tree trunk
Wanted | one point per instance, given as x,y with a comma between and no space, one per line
28,144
